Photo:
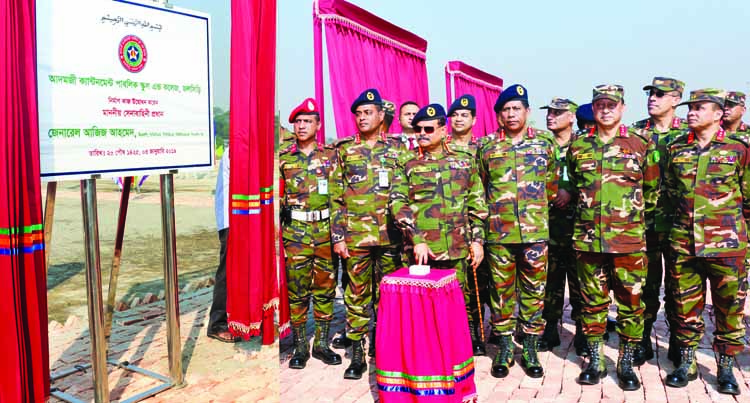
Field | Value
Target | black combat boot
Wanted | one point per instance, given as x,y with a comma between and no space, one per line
358,365
341,342
301,349
477,345
529,358
550,339
673,353
727,382
626,377
504,357
597,367
579,341
320,350
686,372
645,350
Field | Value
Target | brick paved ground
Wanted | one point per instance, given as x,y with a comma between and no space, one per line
321,383
215,372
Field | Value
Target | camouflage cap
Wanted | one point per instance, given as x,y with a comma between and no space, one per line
736,98
562,104
389,107
707,95
666,84
610,91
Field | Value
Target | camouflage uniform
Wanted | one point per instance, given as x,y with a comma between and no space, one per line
658,224
562,260
616,184
519,181
709,194
307,240
438,199
361,219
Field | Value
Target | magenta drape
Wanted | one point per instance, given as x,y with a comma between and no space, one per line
252,286
24,352
460,79
365,51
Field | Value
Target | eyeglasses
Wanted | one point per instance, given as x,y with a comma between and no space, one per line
658,93
426,129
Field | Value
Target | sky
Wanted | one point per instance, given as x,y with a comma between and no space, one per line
553,48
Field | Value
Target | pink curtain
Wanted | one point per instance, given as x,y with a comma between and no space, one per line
460,79
365,51
252,286
24,367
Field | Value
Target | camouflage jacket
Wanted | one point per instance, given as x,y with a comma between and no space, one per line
468,152
742,133
709,194
561,220
660,220
306,181
360,190
519,181
438,198
616,184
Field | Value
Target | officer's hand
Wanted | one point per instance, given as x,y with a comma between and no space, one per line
562,199
422,253
477,254
340,249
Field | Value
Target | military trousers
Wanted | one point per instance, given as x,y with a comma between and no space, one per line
657,252
366,267
562,266
625,273
310,275
728,282
519,275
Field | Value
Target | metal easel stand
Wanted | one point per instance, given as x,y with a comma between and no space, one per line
95,307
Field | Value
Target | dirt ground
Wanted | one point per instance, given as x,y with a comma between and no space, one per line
141,269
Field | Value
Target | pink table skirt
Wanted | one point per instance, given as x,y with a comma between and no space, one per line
422,342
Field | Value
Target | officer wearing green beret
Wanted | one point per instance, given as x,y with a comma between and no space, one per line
615,179
708,180
362,229
520,180
662,126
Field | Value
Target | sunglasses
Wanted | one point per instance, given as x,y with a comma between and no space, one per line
657,93
426,129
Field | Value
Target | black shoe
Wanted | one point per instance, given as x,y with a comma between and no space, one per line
529,358
686,372
644,351
358,365
727,382
550,339
477,346
626,377
597,367
320,350
341,342
504,358
579,341
301,349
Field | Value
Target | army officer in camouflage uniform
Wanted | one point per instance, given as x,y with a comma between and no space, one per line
438,202
362,228
520,180
709,192
615,178
662,126
306,168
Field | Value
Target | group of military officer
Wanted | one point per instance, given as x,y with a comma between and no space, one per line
515,213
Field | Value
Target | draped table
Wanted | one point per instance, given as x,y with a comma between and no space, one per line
423,347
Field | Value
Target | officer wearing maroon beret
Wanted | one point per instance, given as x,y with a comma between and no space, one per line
305,169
